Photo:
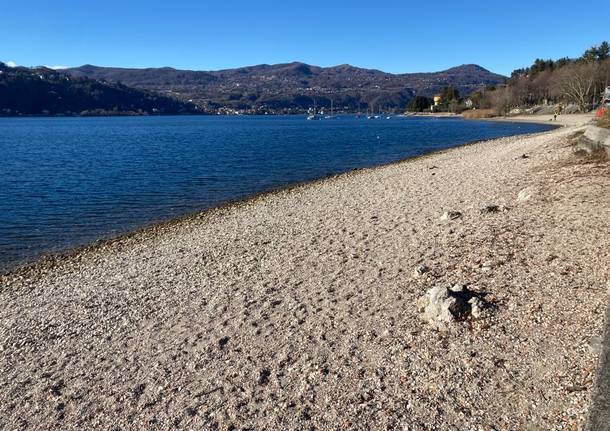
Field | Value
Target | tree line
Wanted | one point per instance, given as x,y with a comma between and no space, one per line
577,81
450,101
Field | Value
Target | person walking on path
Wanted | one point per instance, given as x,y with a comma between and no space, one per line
558,110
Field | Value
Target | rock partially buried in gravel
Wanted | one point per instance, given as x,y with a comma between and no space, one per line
493,208
490,208
223,342
441,306
263,376
525,195
595,345
420,270
451,215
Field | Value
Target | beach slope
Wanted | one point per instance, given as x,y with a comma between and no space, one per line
298,309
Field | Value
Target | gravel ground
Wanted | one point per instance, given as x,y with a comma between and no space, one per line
563,119
297,309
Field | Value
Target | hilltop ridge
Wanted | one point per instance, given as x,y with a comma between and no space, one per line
293,87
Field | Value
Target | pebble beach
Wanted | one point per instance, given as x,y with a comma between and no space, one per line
298,309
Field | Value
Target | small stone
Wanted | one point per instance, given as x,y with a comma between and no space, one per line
476,308
458,288
420,270
57,388
490,208
223,342
441,306
366,396
595,345
487,266
263,376
524,195
451,215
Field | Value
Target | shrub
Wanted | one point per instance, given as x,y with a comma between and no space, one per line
480,113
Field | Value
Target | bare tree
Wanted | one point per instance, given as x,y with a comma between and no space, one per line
502,99
541,87
521,91
602,79
576,83
580,81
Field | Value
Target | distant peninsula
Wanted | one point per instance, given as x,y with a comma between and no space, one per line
43,91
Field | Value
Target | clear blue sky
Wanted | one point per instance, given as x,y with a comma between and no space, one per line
394,36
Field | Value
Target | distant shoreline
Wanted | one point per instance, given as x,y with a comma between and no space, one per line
533,118
433,114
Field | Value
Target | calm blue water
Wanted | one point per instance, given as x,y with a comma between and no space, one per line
67,181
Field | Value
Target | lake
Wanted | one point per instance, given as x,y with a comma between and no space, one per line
68,181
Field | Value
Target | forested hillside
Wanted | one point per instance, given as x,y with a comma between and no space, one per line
43,91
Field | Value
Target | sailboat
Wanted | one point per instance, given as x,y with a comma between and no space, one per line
314,115
331,111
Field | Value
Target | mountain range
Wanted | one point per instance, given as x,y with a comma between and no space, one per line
292,87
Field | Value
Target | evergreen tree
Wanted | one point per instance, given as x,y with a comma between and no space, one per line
449,93
597,53
603,51
419,104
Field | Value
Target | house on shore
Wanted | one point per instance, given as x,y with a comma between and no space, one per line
437,100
